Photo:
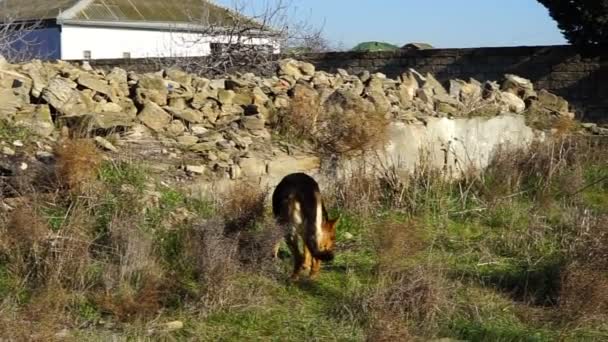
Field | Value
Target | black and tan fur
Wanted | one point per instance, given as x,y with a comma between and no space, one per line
298,208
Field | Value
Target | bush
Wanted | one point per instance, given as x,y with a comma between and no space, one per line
351,127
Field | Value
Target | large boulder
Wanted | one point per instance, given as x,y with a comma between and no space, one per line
94,83
512,103
9,103
153,116
40,76
37,118
59,91
189,115
518,86
151,88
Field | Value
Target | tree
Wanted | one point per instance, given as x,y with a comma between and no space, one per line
234,36
583,22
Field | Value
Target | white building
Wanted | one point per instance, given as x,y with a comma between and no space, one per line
100,29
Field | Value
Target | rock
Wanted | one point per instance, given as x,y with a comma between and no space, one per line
517,85
103,143
40,77
408,87
203,96
599,130
111,107
59,91
225,96
307,69
151,87
470,93
187,140
198,129
94,121
321,79
37,119
45,157
512,102
93,83
203,147
175,128
243,97
431,83
8,151
282,165
217,84
588,125
178,102
253,122
553,102
446,108
290,67
179,76
196,169
189,115
348,236
20,84
137,132
425,95
153,116
9,103
380,101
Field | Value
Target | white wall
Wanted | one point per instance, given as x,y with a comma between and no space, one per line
113,42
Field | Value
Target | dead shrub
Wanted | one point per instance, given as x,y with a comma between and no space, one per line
78,161
298,122
24,243
420,295
26,229
129,302
353,131
215,259
584,292
385,327
352,127
242,205
394,242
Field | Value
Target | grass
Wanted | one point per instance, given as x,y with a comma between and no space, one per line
519,256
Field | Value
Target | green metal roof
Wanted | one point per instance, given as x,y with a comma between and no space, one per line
200,12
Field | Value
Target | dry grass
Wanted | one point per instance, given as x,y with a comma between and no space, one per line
357,192
78,162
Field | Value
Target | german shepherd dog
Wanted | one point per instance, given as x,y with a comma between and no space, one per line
299,210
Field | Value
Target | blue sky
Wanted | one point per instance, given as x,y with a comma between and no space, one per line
442,23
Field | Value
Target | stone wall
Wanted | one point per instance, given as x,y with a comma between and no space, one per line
577,74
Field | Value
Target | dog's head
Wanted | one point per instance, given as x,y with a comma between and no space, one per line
329,234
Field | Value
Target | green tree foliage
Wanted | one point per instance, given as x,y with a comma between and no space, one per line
582,22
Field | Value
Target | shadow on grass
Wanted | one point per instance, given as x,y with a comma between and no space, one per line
531,284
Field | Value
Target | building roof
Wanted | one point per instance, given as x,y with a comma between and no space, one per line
417,46
148,13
